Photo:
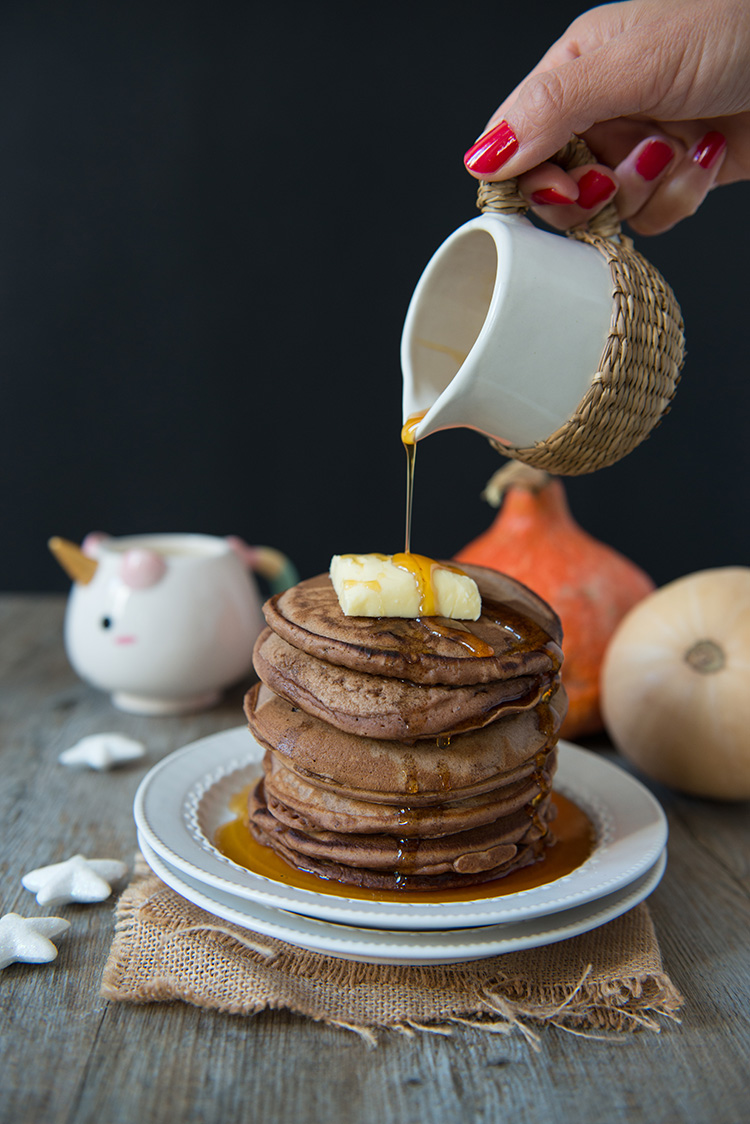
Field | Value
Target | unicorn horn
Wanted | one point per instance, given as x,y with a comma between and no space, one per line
74,562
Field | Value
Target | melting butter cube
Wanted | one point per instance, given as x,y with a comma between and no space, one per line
403,585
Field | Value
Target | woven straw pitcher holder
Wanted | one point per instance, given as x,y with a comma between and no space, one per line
640,365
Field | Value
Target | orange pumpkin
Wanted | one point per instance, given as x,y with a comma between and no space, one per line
535,539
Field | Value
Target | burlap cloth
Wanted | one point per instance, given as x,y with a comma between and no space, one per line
608,980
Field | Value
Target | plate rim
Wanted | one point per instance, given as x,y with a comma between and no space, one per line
411,948
220,749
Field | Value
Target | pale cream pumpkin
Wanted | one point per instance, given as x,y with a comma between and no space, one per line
675,687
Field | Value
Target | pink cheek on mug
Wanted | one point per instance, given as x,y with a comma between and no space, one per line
125,639
142,568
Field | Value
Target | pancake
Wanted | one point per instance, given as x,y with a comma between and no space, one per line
464,852
521,630
390,772
379,706
299,802
465,859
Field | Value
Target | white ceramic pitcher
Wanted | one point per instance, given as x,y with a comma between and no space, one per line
504,331
564,350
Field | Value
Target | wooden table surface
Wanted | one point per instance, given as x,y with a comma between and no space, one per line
69,1056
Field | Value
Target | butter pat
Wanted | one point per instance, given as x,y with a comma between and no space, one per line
403,585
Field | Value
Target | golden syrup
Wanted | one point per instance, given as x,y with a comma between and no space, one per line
411,777
421,569
410,448
406,858
409,428
574,841
458,357
528,635
419,566
443,770
463,636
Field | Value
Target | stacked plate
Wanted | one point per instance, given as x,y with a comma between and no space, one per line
182,802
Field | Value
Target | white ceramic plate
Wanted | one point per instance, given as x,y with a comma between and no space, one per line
184,799
379,946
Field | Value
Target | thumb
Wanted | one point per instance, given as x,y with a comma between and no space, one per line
618,79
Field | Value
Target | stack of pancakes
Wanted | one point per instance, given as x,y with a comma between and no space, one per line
412,754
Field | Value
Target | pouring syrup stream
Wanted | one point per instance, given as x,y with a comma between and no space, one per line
422,568
410,448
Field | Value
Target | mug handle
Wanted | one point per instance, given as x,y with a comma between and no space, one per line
271,564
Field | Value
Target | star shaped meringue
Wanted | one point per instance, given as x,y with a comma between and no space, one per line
26,939
78,879
103,751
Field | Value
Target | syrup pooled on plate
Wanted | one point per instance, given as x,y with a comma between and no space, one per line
574,842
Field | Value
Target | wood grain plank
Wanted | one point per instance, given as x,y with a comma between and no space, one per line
67,1057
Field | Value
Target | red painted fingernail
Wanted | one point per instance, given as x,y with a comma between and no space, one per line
594,187
492,150
709,149
549,197
653,159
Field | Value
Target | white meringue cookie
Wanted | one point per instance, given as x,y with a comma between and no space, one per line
26,939
78,879
103,751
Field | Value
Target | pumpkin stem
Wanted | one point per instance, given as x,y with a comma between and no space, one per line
514,474
705,656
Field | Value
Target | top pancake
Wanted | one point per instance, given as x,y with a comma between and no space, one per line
521,629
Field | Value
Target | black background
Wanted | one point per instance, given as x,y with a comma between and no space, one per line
213,217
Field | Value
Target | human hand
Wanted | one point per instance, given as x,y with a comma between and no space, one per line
660,92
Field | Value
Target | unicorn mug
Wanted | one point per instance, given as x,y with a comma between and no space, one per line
165,622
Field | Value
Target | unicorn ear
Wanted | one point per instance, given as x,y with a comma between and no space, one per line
140,569
92,542
74,562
